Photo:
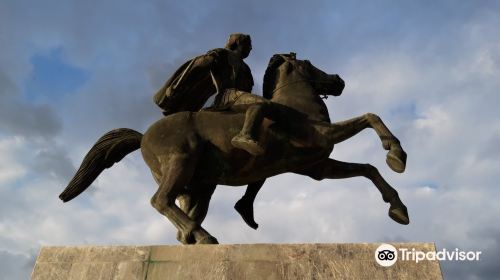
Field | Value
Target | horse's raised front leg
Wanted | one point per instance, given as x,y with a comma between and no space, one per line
340,131
334,169
177,170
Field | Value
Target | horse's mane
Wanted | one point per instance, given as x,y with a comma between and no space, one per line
270,75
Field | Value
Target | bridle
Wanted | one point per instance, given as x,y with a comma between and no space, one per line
292,57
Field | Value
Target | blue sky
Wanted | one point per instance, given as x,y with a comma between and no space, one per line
71,71
52,78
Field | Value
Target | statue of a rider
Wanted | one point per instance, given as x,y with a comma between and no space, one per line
223,72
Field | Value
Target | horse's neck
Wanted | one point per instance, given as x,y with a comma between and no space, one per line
302,98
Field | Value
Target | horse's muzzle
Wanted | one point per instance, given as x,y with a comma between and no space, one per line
337,85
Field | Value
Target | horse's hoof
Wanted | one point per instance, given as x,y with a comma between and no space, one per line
185,238
207,240
399,214
396,159
246,143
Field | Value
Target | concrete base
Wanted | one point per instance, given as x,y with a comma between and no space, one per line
252,261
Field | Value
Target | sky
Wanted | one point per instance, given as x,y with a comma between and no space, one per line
72,70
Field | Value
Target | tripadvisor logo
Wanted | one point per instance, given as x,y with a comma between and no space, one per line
387,255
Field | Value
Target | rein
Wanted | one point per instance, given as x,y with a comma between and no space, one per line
323,96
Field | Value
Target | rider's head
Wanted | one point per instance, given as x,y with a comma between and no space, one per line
240,43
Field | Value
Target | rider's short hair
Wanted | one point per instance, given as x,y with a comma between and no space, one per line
236,39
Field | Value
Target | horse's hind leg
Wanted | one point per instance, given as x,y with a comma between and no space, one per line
340,131
185,200
177,170
195,205
334,169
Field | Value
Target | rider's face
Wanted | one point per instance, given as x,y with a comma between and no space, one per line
245,48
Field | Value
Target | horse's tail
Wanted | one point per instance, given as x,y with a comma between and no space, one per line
110,148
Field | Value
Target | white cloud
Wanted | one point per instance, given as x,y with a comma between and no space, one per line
435,120
10,168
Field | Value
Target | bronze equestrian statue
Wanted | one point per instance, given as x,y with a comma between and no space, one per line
223,72
190,153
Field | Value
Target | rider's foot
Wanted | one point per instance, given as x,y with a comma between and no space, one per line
396,159
245,142
245,209
398,211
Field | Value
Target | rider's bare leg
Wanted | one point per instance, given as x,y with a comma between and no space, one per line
244,206
340,131
248,138
259,109
334,169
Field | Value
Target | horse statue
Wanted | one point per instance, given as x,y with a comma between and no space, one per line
190,153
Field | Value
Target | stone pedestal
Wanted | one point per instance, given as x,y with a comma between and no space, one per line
248,261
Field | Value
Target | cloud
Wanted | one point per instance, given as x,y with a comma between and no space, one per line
26,120
21,118
10,170
53,161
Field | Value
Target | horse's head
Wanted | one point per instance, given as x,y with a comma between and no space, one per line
286,70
